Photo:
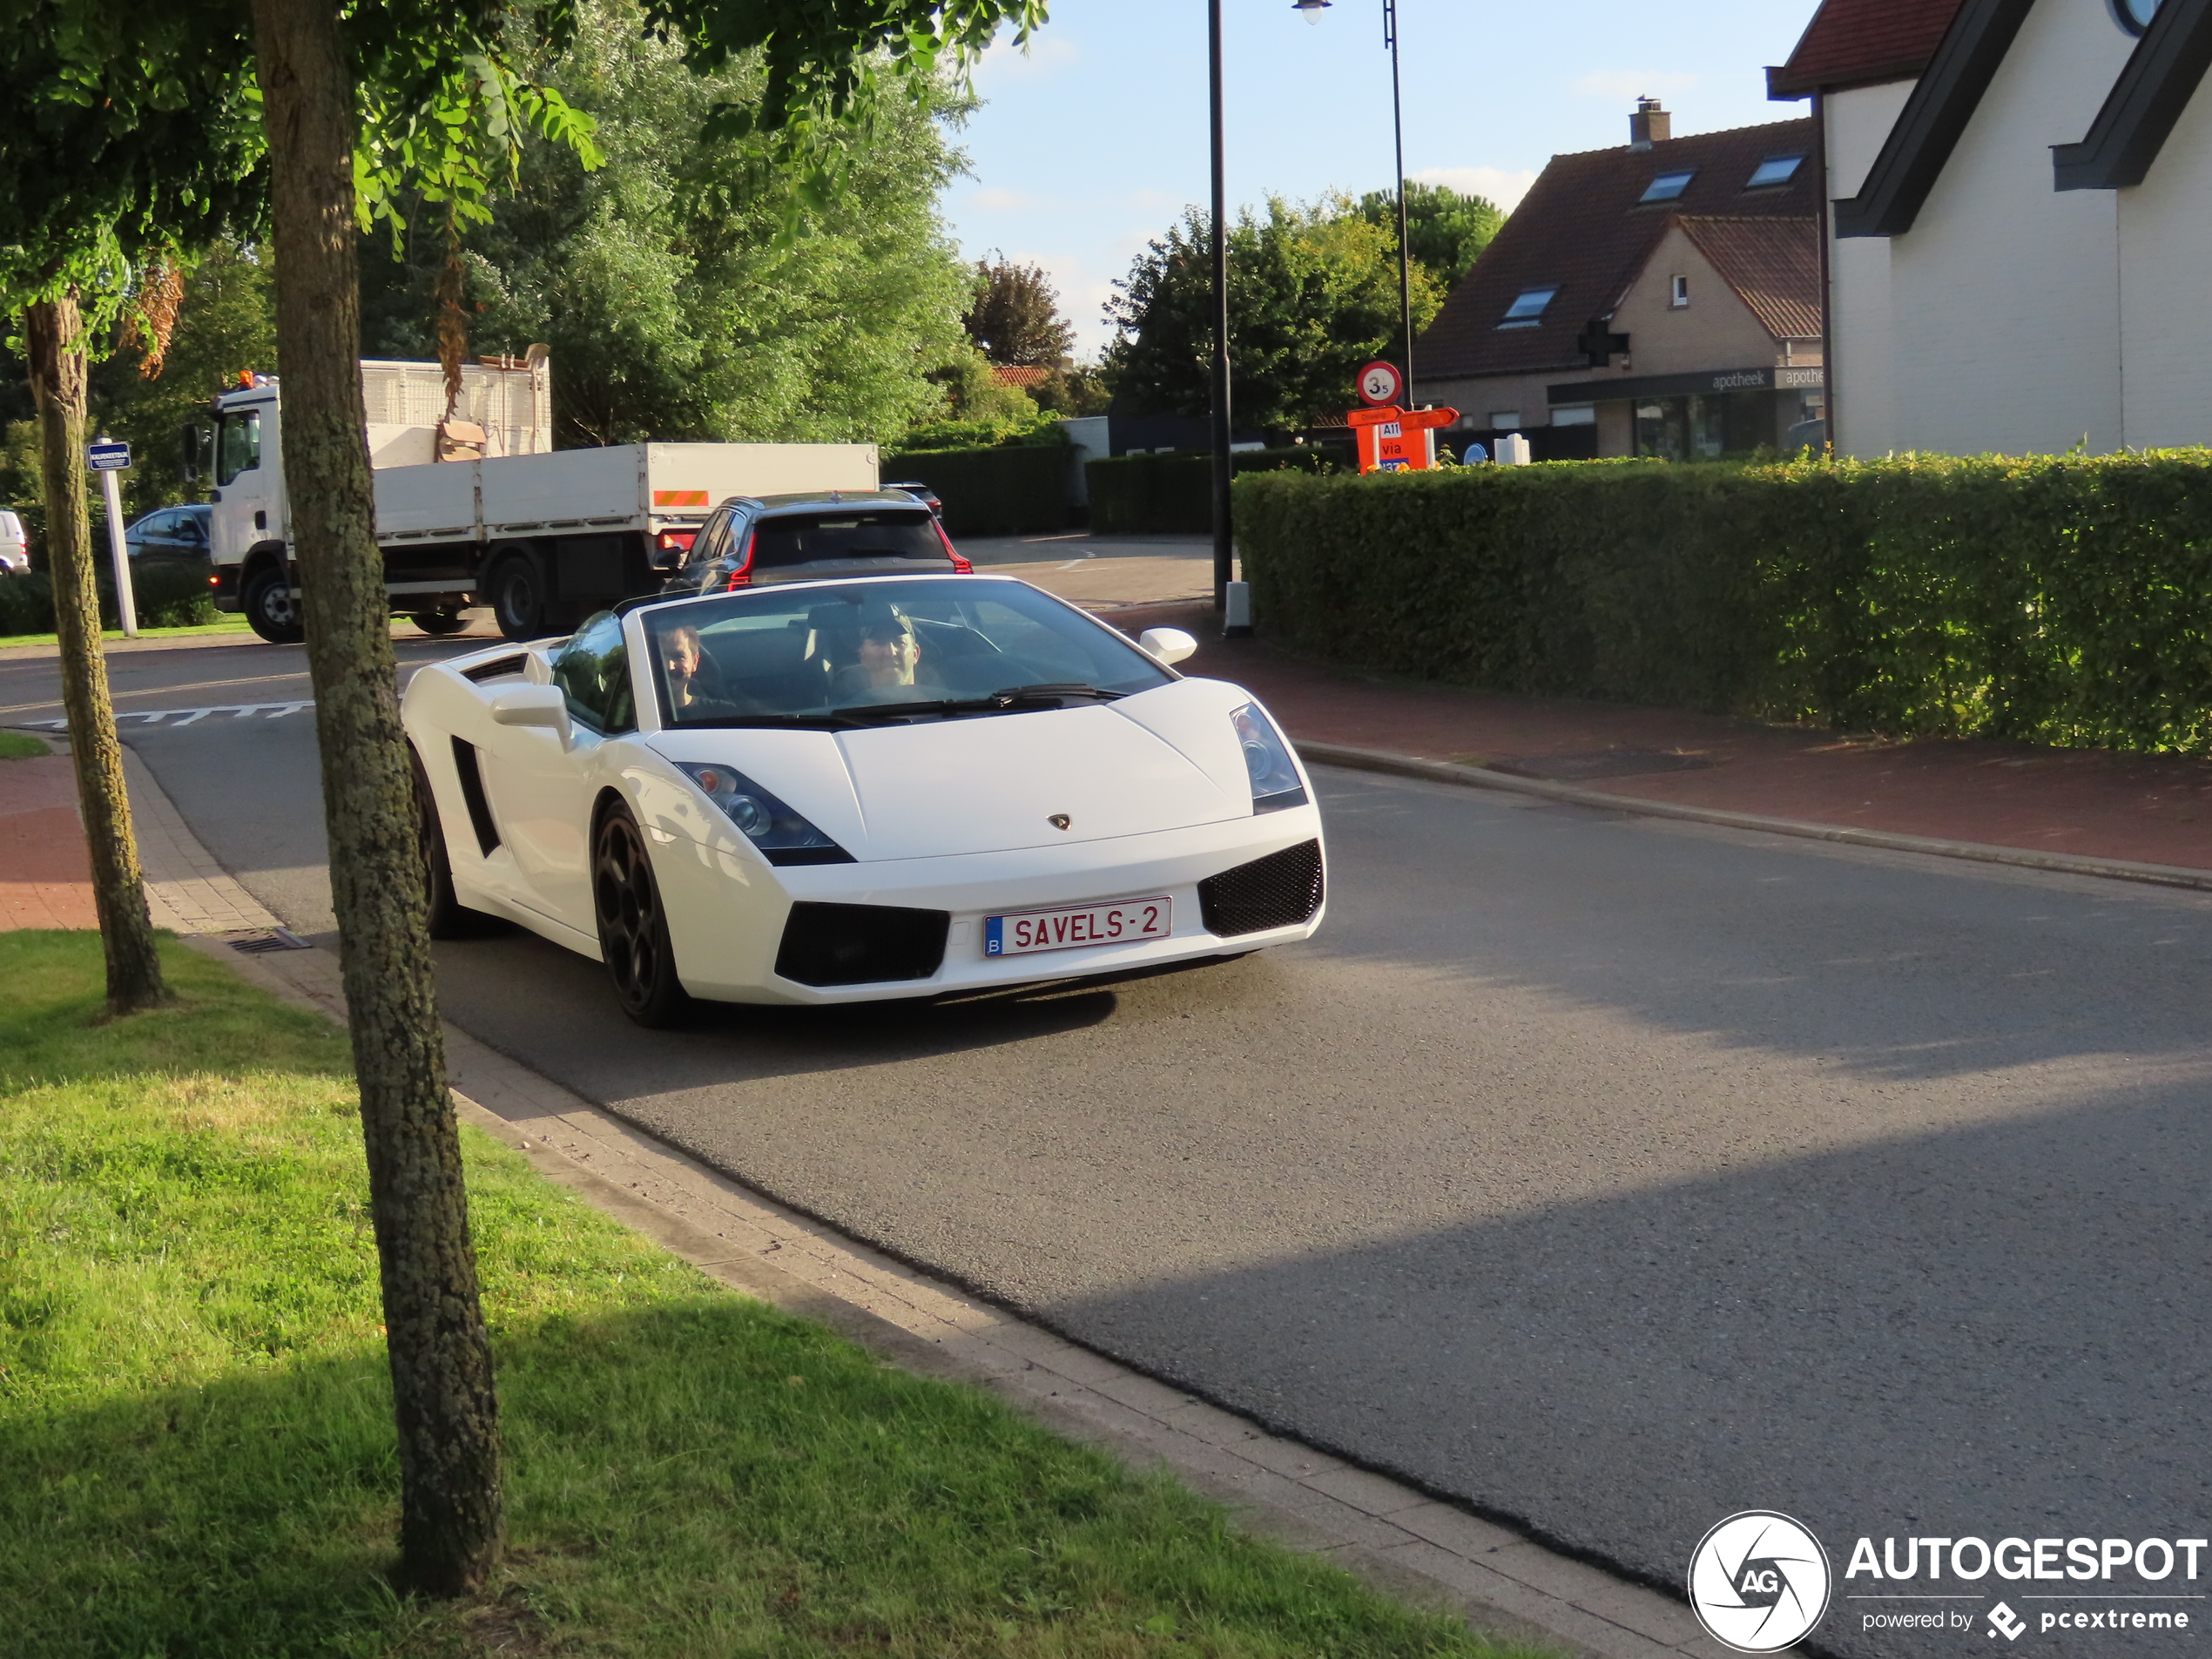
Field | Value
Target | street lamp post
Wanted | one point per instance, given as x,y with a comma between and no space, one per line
1222,542
1313,9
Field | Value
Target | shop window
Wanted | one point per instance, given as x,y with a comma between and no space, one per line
1667,186
1504,420
1574,414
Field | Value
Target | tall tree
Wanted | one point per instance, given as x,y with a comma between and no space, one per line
123,146
688,288
1446,232
1014,318
1312,295
435,84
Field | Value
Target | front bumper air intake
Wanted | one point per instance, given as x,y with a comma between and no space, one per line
1281,890
861,944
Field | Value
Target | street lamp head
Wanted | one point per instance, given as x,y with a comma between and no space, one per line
1313,9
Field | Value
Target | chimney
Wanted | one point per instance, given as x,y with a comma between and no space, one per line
1650,125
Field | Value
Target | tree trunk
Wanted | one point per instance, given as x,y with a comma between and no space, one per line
441,1358
54,341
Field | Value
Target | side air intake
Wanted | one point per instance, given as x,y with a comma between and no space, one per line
1280,890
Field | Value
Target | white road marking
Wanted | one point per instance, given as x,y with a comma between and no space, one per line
185,717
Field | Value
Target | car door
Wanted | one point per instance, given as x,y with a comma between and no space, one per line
542,793
708,547
148,537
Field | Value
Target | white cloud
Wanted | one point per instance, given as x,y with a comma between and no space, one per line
1045,55
1624,86
1501,184
993,198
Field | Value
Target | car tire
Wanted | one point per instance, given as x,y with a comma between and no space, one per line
517,593
448,917
633,925
438,623
270,609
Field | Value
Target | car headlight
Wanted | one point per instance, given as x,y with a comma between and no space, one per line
781,834
1267,758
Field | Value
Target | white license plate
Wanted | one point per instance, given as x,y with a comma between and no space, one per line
1118,923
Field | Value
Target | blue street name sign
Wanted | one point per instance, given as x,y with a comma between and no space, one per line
108,457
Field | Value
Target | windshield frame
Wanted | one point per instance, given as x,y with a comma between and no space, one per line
655,714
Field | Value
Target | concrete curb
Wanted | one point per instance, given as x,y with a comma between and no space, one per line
1445,772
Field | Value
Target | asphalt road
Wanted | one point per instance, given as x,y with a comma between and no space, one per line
1610,1175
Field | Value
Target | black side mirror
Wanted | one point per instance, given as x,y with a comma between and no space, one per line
197,443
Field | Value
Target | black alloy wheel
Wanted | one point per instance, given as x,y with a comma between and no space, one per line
448,917
270,609
438,623
633,928
518,597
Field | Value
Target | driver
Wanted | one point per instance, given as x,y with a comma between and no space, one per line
890,661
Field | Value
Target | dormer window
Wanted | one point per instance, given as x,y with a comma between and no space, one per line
2134,15
1667,186
1528,310
1775,169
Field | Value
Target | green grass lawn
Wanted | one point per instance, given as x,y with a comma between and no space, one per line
224,625
195,1441
18,746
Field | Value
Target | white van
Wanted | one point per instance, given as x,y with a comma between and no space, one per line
15,550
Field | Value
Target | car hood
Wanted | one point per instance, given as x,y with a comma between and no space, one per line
1164,759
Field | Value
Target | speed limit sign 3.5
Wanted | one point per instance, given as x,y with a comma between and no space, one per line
1380,383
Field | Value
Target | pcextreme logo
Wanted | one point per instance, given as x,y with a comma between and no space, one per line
1758,1581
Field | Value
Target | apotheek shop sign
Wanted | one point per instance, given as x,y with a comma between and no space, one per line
1760,1581
1704,383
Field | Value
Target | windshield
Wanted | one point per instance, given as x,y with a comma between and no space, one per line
856,653
812,538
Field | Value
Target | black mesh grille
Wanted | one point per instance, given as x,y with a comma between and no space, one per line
1278,891
861,944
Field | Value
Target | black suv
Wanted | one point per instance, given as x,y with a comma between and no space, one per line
754,539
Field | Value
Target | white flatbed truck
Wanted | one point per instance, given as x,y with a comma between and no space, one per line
478,507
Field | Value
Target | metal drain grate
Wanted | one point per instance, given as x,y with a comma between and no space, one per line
269,938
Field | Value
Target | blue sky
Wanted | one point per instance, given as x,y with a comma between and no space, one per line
1092,144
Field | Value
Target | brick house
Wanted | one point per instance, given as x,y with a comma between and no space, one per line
1662,298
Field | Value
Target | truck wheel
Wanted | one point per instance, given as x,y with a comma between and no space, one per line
270,607
517,595
439,623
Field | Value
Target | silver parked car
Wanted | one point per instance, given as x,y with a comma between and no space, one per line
750,540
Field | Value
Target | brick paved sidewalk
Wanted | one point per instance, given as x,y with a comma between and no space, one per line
2080,803
46,874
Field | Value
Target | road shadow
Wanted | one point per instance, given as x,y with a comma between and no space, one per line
1993,1331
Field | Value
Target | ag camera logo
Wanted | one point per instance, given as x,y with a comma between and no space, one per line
1758,1581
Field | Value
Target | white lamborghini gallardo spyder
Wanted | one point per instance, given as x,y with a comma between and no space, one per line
833,792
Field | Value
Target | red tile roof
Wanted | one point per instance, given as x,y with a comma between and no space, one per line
1581,229
1772,263
1853,43
1018,375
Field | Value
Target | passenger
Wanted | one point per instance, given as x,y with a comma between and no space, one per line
692,679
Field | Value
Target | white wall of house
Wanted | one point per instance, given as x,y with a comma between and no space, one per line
1854,124
2165,253
2006,292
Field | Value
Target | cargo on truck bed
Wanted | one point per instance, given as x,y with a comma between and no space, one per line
474,506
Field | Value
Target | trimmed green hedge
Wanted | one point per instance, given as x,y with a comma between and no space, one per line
1173,494
167,596
1010,490
2057,599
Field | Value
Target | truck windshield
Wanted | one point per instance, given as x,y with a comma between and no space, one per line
833,652
238,445
814,538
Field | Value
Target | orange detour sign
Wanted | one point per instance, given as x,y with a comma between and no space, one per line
1398,439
